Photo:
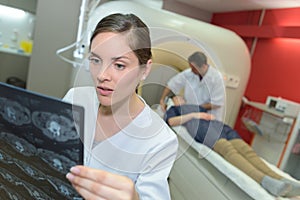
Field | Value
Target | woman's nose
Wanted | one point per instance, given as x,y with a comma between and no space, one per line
104,73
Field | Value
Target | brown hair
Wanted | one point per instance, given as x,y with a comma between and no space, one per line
138,34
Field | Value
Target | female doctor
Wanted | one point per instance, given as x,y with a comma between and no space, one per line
129,149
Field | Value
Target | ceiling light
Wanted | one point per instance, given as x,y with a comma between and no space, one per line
11,12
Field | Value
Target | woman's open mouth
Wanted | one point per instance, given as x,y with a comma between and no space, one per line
104,91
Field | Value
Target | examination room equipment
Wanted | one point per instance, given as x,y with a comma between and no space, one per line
198,171
275,125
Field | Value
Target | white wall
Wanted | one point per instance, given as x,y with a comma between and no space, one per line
187,10
13,65
56,27
28,5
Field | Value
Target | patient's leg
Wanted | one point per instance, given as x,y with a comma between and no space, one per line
246,151
274,186
250,155
227,150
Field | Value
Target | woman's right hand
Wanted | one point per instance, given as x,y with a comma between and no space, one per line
98,184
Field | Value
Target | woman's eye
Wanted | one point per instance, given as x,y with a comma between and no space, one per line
95,61
119,66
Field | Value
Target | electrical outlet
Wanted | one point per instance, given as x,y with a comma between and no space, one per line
232,81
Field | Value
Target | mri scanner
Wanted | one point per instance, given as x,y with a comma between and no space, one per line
198,172
174,38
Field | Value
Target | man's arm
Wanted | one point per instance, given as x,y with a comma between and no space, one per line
209,106
162,102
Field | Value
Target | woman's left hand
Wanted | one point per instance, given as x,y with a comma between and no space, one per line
203,115
98,184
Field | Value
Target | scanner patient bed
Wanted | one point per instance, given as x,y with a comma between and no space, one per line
201,172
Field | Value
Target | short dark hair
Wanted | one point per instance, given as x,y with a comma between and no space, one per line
199,58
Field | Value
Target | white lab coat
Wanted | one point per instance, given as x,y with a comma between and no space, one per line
144,151
210,89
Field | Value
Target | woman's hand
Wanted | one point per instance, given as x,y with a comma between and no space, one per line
98,184
203,115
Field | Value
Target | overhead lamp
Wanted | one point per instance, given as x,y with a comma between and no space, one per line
11,12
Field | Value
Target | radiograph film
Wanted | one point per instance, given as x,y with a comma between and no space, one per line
40,141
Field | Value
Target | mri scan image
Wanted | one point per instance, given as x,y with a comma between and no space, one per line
13,112
40,139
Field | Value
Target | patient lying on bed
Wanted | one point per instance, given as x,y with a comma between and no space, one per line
227,142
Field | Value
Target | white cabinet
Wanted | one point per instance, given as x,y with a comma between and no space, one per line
276,132
291,159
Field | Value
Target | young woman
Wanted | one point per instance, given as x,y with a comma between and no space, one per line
224,140
129,149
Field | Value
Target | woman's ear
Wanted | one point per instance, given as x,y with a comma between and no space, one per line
147,69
